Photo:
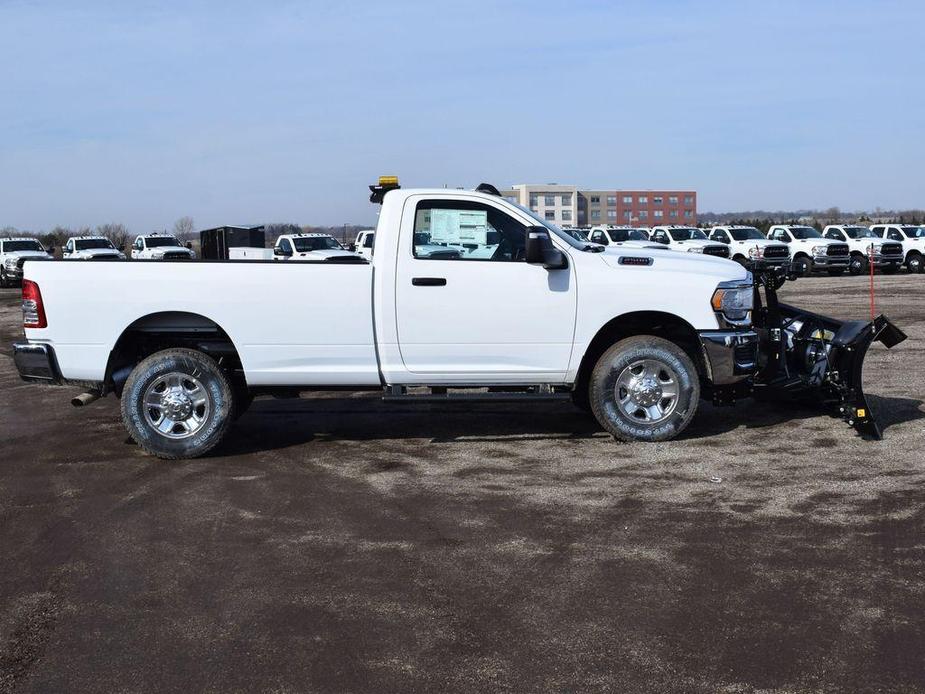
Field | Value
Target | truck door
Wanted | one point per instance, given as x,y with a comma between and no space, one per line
468,308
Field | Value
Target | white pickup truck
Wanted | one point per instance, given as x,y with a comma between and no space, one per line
613,235
810,250
688,239
90,248
637,336
14,252
161,247
866,248
311,247
750,247
363,245
911,237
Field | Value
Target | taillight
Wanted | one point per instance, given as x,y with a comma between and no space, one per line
33,312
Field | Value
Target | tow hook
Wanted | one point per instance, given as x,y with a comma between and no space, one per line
85,399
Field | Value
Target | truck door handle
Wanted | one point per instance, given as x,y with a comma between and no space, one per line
428,281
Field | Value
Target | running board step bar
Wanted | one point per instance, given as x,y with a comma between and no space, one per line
445,394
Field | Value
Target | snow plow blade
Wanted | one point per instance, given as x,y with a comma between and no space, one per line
804,354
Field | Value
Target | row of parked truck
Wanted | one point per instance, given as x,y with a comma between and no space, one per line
836,249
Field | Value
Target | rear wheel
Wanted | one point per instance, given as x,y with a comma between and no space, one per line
857,265
803,266
177,403
644,389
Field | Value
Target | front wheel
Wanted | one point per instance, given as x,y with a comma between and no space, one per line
857,265
914,264
644,389
177,403
803,266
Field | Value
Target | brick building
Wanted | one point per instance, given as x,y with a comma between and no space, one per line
569,206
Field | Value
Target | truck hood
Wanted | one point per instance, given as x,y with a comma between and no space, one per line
666,260
322,254
99,253
695,243
31,255
815,242
760,243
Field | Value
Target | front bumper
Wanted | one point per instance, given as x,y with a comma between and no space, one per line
881,261
13,271
731,356
36,363
830,261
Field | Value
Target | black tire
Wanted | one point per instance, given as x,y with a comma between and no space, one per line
835,272
914,263
857,265
189,368
803,266
619,361
581,399
4,280
742,260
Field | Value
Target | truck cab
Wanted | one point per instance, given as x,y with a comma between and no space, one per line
810,251
912,238
866,248
310,247
618,236
363,245
14,252
158,246
688,239
90,248
750,247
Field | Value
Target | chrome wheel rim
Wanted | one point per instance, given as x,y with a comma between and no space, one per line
176,405
647,391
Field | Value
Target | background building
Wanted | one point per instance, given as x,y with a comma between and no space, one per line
569,206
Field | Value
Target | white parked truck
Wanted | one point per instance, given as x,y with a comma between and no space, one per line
750,247
636,336
311,247
912,238
688,239
614,235
90,248
161,247
866,248
363,245
810,251
14,252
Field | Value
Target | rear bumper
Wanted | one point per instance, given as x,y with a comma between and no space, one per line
731,356
36,363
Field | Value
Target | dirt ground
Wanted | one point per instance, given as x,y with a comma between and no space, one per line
338,543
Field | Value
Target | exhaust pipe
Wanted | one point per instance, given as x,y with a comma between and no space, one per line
85,399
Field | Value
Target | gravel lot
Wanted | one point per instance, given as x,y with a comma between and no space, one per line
337,543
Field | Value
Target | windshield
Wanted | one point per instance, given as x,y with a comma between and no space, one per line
87,244
746,234
576,234
10,246
158,241
914,232
619,235
316,243
687,234
805,233
859,233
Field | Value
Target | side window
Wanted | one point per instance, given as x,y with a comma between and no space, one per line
286,246
368,241
462,230
834,234
896,235
721,237
598,237
877,231
139,244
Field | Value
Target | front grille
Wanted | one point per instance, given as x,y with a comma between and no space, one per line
105,257
176,256
891,249
775,252
837,249
718,251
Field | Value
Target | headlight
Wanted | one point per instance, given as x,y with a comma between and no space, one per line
734,300
755,252
10,262
695,249
820,250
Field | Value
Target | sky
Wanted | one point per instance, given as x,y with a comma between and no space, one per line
276,111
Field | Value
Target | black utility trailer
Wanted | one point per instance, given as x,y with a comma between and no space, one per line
214,243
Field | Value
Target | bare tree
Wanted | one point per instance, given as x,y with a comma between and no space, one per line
117,233
9,231
183,228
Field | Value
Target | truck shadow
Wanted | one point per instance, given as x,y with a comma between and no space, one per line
274,424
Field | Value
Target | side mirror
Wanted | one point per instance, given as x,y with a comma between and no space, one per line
352,247
51,250
189,245
539,250
65,250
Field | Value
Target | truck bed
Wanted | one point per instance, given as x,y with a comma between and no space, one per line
292,323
